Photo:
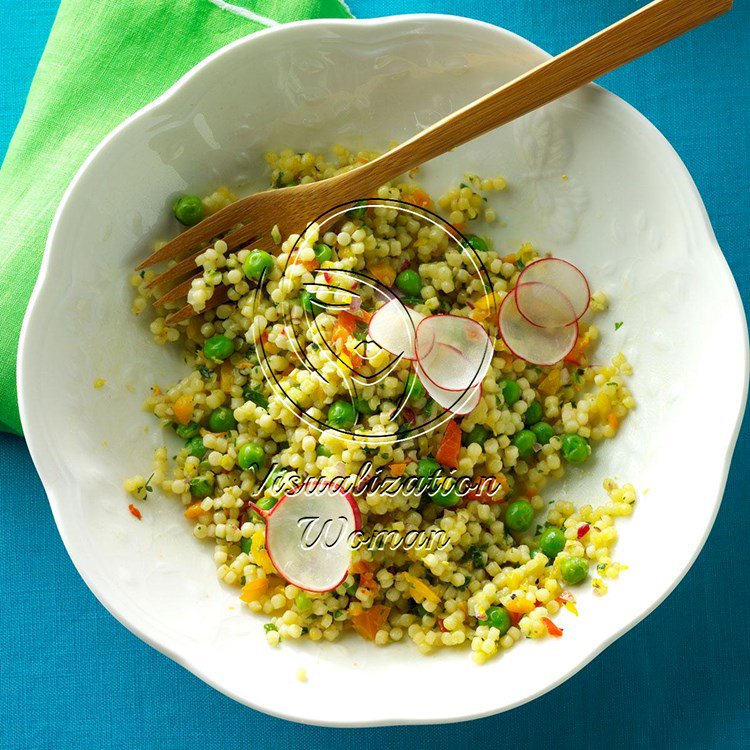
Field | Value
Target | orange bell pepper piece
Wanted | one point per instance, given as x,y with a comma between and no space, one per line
183,409
369,621
520,605
398,469
345,324
419,590
226,378
551,384
254,590
194,510
450,446
420,198
384,273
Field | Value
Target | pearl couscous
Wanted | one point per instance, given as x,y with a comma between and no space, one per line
510,561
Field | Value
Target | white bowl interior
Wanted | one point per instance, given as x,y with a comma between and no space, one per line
589,179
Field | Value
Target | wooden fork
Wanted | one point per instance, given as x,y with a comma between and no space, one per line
248,222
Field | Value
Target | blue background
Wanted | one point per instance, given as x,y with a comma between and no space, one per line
71,676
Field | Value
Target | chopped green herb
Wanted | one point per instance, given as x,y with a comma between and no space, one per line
360,331
269,627
254,395
148,486
618,325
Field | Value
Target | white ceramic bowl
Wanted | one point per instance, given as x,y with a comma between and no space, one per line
628,214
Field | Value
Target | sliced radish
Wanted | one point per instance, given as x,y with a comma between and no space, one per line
453,352
540,346
456,402
566,279
393,327
308,535
544,305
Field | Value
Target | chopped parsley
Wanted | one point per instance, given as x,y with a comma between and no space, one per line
618,325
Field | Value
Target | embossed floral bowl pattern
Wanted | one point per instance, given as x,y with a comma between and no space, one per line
589,179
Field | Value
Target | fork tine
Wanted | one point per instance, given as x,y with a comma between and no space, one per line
175,272
211,227
248,236
234,240
220,296
180,290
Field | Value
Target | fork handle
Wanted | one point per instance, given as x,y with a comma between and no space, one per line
633,36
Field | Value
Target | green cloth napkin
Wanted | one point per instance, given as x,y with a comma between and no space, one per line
104,60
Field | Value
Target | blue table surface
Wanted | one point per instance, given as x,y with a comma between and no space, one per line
71,676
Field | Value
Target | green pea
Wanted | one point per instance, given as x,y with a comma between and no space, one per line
498,617
309,302
445,497
574,569
218,348
478,243
519,515
362,406
201,487
195,447
322,252
254,395
342,414
427,467
525,440
321,450
221,420
246,545
478,434
251,456
257,264
188,210
266,503
544,432
414,388
408,282
187,431
533,414
552,541
302,602
575,449
511,391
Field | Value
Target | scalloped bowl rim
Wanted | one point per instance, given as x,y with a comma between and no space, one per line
56,493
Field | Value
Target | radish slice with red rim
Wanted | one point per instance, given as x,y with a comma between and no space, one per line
393,328
540,346
453,352
566,279
309,535
456,402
